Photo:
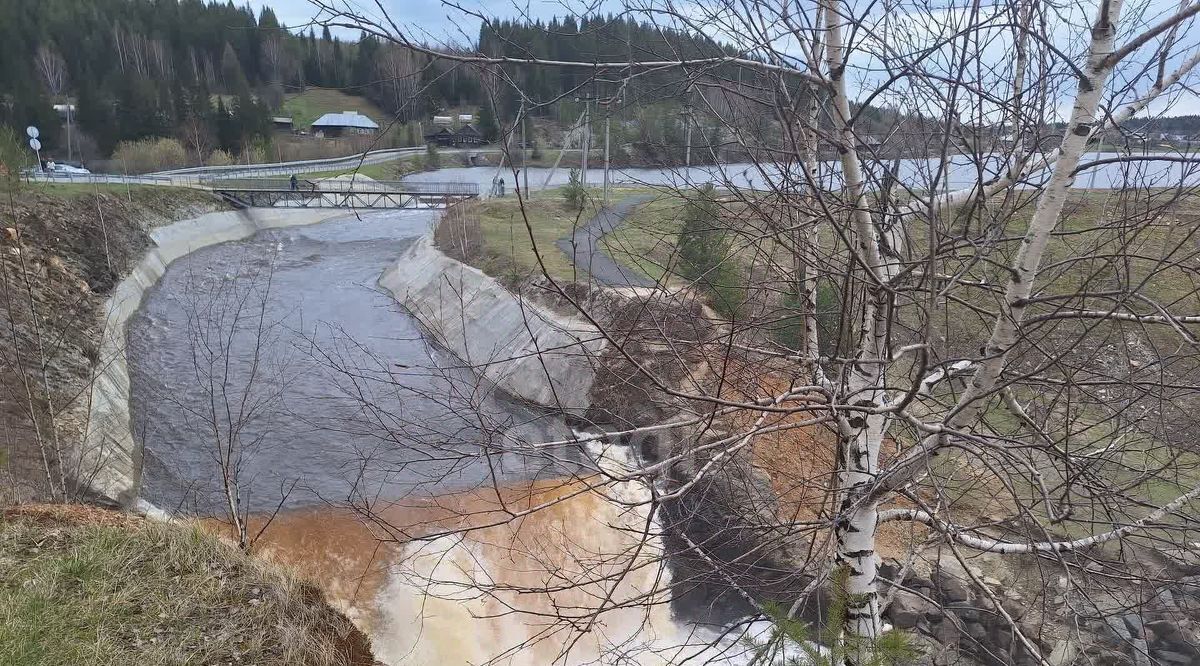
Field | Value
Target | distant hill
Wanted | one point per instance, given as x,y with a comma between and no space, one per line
307,106
1189,124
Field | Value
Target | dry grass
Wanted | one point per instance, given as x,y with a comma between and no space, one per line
81,585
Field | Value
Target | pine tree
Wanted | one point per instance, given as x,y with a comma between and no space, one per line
488,126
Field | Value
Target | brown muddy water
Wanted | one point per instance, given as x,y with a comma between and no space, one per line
407,488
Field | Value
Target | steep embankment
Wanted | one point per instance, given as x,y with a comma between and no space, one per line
81,585
86,585
64,250
526,350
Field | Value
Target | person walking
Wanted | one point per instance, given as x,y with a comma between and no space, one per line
293,182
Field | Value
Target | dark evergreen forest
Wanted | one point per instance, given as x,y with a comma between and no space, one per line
162,68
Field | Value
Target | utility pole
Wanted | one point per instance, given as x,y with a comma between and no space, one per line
687,121
607,121
687,156
524,154
70,107
587,139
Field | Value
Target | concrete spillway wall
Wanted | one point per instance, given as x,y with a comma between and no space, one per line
110,458
524,349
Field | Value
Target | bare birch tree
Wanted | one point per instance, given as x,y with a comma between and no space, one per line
990,323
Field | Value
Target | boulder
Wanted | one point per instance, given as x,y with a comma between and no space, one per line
951,584
1173,658
907,609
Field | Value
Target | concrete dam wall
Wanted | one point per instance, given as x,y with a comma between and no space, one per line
524,349
520,347
110,458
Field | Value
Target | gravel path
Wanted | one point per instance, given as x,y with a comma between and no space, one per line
584,249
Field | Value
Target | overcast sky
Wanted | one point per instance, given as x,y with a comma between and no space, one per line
430,16
431,21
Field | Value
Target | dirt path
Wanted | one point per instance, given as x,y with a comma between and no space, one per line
583,247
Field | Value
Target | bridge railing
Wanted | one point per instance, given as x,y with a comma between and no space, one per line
96,178
364,186
297,166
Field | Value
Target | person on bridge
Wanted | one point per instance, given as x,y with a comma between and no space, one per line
293,182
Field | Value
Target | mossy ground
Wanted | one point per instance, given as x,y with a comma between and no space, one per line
81,585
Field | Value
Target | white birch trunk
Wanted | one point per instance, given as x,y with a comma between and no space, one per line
1006,330
860,435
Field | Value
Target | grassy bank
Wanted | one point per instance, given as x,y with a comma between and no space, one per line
81,585
515,236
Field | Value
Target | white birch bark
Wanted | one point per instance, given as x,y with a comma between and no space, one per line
1006,329
860,433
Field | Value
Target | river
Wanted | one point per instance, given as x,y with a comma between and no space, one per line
395,470
348,398
916,173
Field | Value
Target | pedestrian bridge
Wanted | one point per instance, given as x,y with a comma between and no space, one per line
338,193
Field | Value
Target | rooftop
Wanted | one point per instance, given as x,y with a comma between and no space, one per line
345,119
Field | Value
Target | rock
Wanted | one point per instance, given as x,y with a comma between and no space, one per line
1134,622
1165,630
1063,653
907,609
963,611
946,632
1184,558
976,631
1170,657
1113,630
951,586
1140,652
1014,608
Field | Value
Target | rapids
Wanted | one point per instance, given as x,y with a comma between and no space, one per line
406,492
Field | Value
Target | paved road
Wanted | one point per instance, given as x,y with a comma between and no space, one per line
584,249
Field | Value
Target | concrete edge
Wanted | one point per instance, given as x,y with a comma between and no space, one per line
109,461
521,347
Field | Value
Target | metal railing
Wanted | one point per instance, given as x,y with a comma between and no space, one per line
298,166
97,178
342,186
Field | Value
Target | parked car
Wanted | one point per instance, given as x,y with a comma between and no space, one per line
62,168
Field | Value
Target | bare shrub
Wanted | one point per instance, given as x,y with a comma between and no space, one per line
151,154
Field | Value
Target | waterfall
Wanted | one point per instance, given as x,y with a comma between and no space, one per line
580,580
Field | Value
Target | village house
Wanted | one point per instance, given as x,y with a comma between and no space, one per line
466,135
343,124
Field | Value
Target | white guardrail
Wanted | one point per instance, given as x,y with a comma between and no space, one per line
298,166
195,176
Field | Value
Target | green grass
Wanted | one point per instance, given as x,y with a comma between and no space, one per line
381,171
307,106
74,190
509,254
149,593
646,241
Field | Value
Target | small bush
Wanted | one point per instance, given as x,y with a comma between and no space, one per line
219,157
150,154
459,233
14,156
433,159
704,253
254,154
574,194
